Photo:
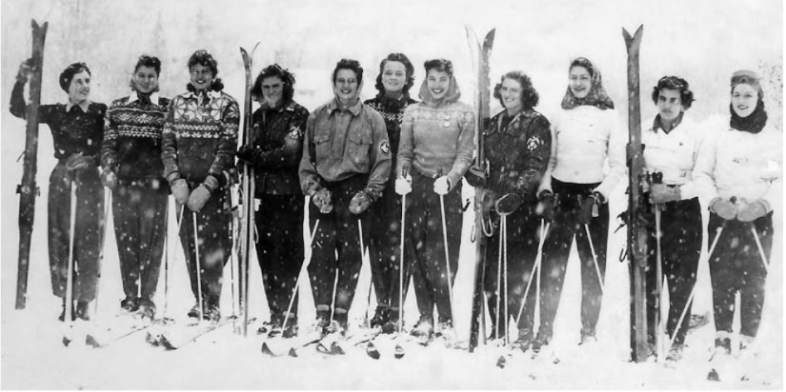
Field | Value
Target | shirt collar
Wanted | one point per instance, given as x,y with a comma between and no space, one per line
354,109
656,123
84,105
135,97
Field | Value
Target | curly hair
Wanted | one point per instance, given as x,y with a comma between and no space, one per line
271,71
205,59
409,70
674,83
352,65
148,61
441,65
68,74
529,96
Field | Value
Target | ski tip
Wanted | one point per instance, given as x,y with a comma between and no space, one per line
266,350
92,342
491,34
713,375
292,353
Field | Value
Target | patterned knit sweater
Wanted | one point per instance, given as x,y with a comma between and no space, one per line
392,111
200,136
132,138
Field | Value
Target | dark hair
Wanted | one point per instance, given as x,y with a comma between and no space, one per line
674,83
409,70
205,59
529,97
352,65
584,63
69,72
275,71
440,65
148,61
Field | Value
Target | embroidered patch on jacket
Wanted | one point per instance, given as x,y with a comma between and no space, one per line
533,143
384,148
294,133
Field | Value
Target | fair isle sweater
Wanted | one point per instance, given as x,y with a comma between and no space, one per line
200,136
132,138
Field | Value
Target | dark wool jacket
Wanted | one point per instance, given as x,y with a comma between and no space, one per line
518,151
278,141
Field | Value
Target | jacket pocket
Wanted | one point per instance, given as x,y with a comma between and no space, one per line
358,148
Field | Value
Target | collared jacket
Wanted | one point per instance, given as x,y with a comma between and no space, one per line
674,154
278,137
340,144
518,152
200,136
132,138
75,128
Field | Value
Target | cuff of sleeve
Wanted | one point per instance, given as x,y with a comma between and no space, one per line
454,179
211,183
172,177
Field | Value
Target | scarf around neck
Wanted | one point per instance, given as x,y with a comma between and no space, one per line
753,123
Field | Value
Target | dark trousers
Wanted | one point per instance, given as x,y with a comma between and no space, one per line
522,248
557,249
736,265
87,230
385,250
214,239
336,247
424,234
681,235
139,210
279,247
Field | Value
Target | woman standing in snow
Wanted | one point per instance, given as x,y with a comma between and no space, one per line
738,173
77,130
396,77
434,153
574,195
274,152
131,159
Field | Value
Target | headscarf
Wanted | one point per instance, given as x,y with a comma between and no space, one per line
453,93
756,121
597,95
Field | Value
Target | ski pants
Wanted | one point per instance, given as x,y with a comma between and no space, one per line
522,247
139,211
385,250
681,235
88,229
736,265
556,251
214,239
424,233
336,255
279,248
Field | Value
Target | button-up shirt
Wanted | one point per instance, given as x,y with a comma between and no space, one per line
673,153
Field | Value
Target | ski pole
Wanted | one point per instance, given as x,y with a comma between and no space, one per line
306,262
504,235
499,283
658,284
166,258
198,266
447,257
693,291
252,236
69,295
535,268
594,257
761,249
401,267
102,242
362,260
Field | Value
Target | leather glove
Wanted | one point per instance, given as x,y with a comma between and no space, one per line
476,175
180,190
404,185
199,197
749,212
585,209
442,185
359,203
246,153
77,161
508,203
109,179
545,206
323,200
662,193
724,209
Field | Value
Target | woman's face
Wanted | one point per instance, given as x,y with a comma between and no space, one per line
438,83
394,77
145,79
79,89
201,76
580,81
744,99
669,104
272,90
511,95
346,86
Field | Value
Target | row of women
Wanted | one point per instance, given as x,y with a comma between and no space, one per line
363,163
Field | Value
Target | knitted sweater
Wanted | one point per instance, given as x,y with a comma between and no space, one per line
132,138
200,136
674,154
582,140
742,164
74,128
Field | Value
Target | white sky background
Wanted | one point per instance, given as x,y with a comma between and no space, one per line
703,41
